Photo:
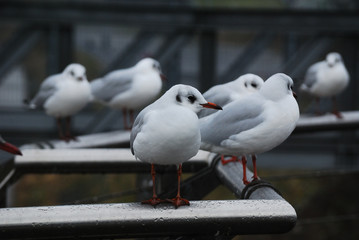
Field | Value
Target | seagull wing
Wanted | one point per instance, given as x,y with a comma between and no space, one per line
311,74
47,89
219,95
136,128
236,117
112,84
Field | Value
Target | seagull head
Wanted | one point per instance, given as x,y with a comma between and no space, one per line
190,97
250,82
76,71
150,65
9,147
333,58
278,86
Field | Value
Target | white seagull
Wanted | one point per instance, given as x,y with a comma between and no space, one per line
130,89
62,95
222,94
8,147
253,124
167,132
327,78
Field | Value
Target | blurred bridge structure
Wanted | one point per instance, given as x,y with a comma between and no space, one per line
196,44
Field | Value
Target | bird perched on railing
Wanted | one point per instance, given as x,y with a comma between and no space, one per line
223,94
253,124
226,93
327,78
8,147
130,89
62,95
167,132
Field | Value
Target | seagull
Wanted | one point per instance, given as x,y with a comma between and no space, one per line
223,94
167,132
327,78
253,124
9,147
130,89
62,95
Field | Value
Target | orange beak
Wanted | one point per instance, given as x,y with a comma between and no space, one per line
294,95
163,77
10,148
212,105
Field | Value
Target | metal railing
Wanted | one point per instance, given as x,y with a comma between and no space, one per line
263,211
260,210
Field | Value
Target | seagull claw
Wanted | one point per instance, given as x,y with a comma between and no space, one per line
153,201
232,159
178,201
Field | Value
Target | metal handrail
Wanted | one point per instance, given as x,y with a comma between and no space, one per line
327,122
201,218
264,211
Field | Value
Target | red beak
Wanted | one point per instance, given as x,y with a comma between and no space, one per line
10,148
212,105
294,95
163,77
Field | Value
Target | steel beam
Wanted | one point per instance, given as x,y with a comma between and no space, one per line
127,58
298,63
252,50
17,47
172,44
178,15
208,59
103,119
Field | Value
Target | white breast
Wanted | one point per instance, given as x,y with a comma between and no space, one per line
331,81
163,140
71,97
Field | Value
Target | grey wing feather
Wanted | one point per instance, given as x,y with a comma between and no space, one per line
311,74
218,95
47,89
112,84
137,125
223,124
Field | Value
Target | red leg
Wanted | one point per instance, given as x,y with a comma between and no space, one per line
244,164
59,127
254,161
68,135
335,109
318,112
154,200
224,162
178,200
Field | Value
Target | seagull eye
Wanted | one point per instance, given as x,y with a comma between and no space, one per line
254,85
191,98
72,73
